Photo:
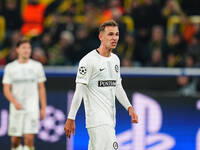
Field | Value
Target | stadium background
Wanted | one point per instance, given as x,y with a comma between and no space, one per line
153,34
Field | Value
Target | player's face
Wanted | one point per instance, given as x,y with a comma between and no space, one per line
109,37
24,51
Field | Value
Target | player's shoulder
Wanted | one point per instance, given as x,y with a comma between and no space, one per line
11,64
115,57
34,62
89,57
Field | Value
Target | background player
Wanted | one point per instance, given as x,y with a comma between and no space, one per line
98,81
23,85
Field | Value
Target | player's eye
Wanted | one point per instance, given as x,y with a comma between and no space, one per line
110,33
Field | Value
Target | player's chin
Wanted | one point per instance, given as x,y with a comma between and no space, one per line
113,46
27,56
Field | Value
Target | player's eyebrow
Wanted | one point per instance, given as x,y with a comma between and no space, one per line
110,33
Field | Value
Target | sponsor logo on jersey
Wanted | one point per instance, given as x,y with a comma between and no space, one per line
106,83
23,80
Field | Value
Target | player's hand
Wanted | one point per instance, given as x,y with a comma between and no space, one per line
69,127
133,115
17,105
42,113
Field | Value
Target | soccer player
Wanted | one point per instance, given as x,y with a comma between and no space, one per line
98,81
23,86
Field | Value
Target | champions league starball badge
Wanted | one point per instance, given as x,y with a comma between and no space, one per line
82,70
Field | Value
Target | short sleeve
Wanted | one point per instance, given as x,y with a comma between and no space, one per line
84,71
6,76
41,74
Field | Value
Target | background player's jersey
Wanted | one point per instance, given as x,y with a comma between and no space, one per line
101,74
24,79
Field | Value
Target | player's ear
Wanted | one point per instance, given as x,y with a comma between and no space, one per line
17,50
100,36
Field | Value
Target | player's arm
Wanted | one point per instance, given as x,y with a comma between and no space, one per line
76,102
8,94
42,95
123,99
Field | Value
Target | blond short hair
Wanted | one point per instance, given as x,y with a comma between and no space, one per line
111,23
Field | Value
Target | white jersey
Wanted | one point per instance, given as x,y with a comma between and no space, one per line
101,74
24,79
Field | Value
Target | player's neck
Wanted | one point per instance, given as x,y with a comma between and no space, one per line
22,60
104,52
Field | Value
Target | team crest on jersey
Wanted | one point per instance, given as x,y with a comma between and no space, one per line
82,70
115,145
116,68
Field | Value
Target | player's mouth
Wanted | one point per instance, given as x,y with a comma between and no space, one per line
114,43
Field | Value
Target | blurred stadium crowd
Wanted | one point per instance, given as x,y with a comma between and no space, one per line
157,33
